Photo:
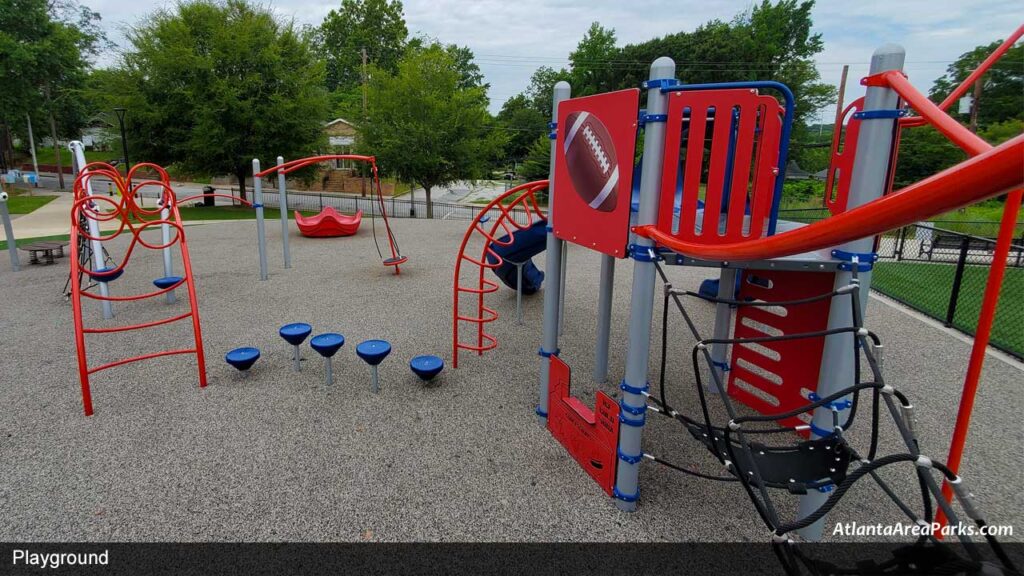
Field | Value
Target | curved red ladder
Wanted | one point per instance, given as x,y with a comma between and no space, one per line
525,202
135,219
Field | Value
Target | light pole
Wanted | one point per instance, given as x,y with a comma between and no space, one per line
124,142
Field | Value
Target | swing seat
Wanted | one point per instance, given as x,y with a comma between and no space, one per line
396,260
806,465
166,281
105,274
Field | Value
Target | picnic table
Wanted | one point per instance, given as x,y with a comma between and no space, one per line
47,249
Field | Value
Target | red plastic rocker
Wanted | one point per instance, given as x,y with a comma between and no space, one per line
329,223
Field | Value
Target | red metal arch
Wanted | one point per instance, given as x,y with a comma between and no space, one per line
524,200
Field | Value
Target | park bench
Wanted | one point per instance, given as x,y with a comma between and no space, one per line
954,242
46,249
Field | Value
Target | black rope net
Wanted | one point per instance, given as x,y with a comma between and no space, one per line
828,463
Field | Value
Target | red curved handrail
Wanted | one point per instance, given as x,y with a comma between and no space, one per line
292,166
526,200
983,176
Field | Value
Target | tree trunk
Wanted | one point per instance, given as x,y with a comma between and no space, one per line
53,135
6,156
240,174
430,205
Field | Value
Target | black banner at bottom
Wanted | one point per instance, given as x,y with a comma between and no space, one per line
604,559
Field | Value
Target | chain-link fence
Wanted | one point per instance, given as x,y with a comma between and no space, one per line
943,272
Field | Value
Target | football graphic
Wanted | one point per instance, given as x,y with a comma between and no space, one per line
590,158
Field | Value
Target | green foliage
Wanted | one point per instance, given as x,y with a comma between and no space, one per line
999,132
213,85
1002,96
426,125
590,73
537,165
923,152
376,25
542,85
523,124
44,50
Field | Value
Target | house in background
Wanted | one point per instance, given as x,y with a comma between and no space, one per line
341,139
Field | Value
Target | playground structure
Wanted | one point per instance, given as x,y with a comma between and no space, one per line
282,169
797,333
328,223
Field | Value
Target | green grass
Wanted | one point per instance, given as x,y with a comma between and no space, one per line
21,203
58,237
47,156
231,213
927,286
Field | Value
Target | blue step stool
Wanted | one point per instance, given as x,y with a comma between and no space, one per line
373,352
296,334
327,345
242,358
426,367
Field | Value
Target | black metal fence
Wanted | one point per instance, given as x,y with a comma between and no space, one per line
401,207
942,272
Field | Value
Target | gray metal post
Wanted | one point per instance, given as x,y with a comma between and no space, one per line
723,319
329,370
32,148
553,269
867,182
165,233
641,307
298,359
604,318
282,201
12,248
257,202
519,291
561,286
78,163
375,383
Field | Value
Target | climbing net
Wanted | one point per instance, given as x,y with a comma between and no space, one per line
829,463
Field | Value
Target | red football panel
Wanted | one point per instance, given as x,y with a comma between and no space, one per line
795,362
757,143
572,218
590,436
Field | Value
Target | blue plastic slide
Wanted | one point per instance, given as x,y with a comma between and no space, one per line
526,244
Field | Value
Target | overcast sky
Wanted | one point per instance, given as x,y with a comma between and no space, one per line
511,38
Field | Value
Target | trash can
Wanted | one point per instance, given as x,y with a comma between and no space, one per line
208,200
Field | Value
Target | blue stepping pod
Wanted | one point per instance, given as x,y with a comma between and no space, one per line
426,367
166,282
297,333
105,274
373,352
327,345
242,358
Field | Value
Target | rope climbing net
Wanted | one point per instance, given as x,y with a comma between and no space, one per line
828,462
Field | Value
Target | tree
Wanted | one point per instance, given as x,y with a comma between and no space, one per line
1002,96
537,165
377,26
591,62
522,124
212,85
44,48
425,125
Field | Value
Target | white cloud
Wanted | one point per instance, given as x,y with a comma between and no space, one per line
512,38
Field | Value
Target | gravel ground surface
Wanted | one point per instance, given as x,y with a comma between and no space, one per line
276,455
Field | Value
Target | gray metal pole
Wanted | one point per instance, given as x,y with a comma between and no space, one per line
561,287
519,292
604,318
375,382
867,182
77,164
641,307
282,201
165,233
5,217
32,148
553,269
257,202
328,370
298,359
723,319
